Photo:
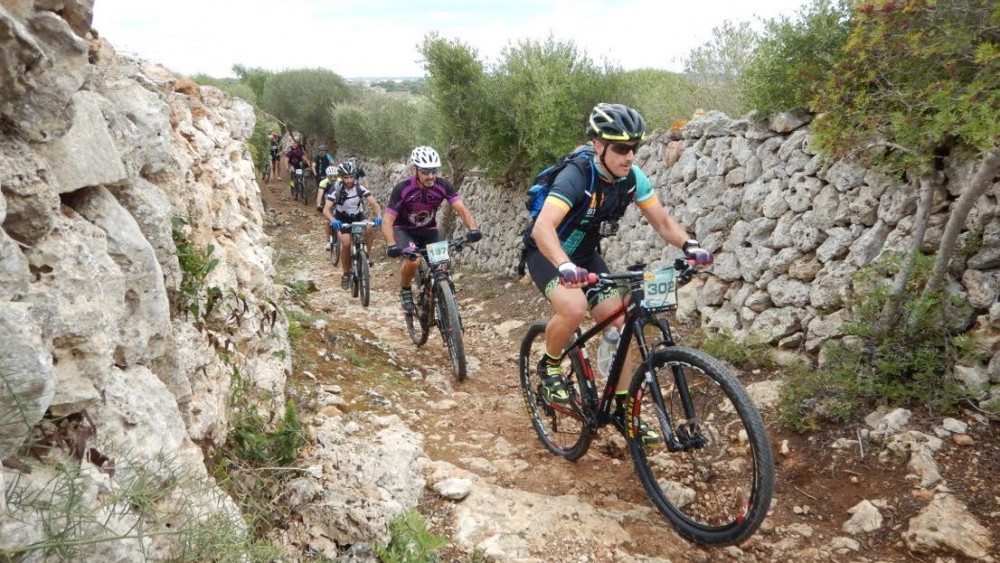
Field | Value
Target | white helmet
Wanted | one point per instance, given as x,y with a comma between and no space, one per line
425,157
331,171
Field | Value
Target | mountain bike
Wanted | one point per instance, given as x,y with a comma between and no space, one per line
299,185
710,473
435,303
360,272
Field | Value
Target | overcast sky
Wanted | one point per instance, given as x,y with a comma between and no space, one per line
373,38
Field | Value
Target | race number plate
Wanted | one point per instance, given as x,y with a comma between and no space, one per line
660,287
298,171
358,228
437,252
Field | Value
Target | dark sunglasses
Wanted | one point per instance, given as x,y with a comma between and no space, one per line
623,148
427,170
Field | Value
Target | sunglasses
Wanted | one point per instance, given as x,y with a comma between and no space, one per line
427,170
623,148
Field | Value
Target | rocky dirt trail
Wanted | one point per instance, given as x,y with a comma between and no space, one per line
531,506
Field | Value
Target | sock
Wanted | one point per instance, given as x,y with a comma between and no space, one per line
551,360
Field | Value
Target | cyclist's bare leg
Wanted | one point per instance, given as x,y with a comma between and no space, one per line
345,252
369,238
407,272
600,312
571,307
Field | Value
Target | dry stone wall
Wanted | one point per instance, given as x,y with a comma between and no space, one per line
787,228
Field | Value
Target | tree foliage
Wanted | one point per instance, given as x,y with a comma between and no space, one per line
923,75
716,68
661,96
304,98
455,80
794,56
380,124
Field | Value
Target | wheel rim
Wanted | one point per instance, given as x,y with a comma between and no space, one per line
560,429
726,450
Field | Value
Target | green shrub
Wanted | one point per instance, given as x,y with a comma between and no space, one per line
794,57
195,265
743,355
410,541
899,364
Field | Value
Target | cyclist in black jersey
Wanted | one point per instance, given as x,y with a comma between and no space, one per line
585,203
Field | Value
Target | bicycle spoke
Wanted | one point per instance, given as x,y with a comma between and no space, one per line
711,473
561,428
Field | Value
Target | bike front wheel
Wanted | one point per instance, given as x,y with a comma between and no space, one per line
561,428
335,249
364,278
711,474
418,322
451,330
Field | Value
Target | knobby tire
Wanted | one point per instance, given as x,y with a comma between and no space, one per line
364,278
561,430
716,493
451,329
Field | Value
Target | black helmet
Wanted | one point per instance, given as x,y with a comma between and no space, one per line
347,168
616,122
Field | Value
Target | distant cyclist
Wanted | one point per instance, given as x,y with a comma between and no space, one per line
410,215
296,158
275,140
585,202
345,205
321,162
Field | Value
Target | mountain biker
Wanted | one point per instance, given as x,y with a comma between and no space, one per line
345,205
296,158
275,140
583,203
321,162
410,216
326,185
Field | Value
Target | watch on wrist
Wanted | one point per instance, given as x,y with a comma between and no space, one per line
690,243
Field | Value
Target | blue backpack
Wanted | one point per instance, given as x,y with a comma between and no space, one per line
535,196
539,190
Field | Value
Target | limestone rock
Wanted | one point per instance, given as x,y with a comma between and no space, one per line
946,526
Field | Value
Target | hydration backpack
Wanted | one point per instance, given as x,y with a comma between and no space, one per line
539,190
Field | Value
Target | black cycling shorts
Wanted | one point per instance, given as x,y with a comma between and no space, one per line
418,238
347,220
546,275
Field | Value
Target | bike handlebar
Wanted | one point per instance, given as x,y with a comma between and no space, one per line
684,266
457,244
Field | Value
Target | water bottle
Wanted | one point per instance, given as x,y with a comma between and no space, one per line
606,351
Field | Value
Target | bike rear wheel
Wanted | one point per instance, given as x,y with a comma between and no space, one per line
364,278
451,330
717,489
561,429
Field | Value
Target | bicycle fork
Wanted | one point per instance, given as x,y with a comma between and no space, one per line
686,436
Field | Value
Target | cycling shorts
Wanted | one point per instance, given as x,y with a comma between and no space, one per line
419,238
347,219
546,275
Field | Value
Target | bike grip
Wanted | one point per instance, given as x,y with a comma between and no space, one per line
591,278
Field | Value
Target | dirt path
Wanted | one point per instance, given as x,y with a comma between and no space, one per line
481,425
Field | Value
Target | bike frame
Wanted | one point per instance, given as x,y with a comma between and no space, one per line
436,273
597,411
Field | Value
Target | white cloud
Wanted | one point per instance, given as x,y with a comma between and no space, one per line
380,38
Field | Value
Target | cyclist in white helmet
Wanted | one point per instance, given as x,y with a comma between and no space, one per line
345,204
410,216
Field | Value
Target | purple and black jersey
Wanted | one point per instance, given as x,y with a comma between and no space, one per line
414,207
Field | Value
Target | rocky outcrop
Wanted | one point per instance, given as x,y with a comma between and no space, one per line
100,154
